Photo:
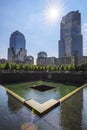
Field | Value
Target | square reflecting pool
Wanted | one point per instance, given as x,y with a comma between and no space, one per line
41,91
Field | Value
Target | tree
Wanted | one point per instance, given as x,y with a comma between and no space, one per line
0,67
71,67
6,66
12,66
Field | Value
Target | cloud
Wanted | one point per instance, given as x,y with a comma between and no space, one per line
85,31
85,50
85,25
85,36
85,39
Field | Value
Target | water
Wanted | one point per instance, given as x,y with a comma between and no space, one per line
70,115
24,90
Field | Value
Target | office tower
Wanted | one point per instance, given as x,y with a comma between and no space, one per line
16,50
71,43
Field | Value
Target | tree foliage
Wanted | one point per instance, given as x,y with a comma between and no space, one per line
26,67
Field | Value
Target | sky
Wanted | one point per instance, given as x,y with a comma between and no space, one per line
31,17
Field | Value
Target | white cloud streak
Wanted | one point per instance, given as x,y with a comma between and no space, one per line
85,31
85,51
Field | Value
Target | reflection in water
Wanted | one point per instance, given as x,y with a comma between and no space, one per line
67,116
27,93
71,112
70,115
30,125
13,105
84,114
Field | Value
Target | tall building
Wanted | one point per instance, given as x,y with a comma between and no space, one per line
16,50
71,41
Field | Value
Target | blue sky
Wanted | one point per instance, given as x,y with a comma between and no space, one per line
28,17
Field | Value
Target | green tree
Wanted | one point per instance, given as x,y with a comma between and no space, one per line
71,67
61,68
12,66
6,66
0,67
83,67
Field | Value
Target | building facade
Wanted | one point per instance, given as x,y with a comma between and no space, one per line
16,50
41,58
71,41
78,61
29,60
3,61
51,61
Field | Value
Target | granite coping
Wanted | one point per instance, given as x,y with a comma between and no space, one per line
43,108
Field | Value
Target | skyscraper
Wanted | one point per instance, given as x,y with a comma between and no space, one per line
16,50
71,43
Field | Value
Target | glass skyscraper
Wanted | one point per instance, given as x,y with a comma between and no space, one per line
16,50
71,41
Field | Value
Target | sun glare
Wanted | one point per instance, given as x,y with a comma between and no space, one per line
53,12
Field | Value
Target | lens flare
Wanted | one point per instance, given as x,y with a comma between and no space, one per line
53,11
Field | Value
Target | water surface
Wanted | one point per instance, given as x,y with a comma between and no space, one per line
25,90
70,115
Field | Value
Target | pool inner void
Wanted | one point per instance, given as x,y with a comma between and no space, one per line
42,88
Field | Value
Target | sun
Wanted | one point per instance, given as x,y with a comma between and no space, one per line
53,12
